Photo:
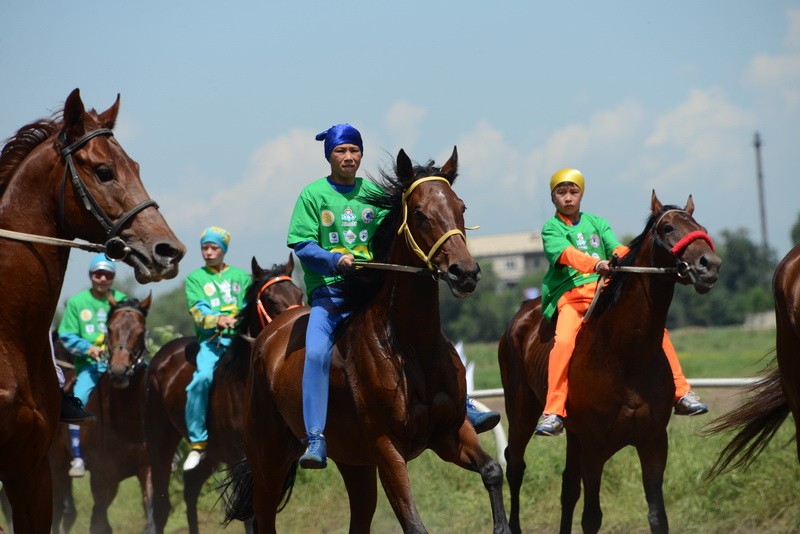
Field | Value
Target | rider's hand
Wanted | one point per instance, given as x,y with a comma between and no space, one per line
346,263
602,267
226,321
95,352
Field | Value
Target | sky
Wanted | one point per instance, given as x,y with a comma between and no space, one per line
220,103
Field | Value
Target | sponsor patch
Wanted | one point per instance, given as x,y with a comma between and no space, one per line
326,217
209,289
595,241
368,215
363,235
349,236
86,315
348,217
333,237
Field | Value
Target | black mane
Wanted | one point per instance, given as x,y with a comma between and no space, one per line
611,293
136,304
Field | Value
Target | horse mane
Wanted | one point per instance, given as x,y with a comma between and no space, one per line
611,293
360,286
17,147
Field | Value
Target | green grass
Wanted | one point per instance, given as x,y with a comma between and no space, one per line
765,498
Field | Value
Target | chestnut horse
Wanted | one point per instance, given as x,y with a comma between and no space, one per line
271,293
778,393
114,448
397,385
621,389
60,179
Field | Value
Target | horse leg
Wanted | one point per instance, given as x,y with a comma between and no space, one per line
570,482
192,485
467,453
592,474
520,429
146,483
31,499
162,441
362,490
653,457
104,490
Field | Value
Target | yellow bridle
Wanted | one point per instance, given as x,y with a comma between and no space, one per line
410,241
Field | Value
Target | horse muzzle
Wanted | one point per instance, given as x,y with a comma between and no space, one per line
462,281
704,272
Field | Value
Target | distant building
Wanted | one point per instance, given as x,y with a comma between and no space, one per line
512,256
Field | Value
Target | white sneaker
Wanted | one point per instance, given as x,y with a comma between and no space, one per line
77,468
193,459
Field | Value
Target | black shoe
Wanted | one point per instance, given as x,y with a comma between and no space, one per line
72,410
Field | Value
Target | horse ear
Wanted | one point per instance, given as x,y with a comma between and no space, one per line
289,268
73,116
450,168
689,206
655,205
108,118
404,168
255,268
145,304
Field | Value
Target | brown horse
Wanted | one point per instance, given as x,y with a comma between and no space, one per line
114,448
62,178
778,394
271,293
397,384
621,388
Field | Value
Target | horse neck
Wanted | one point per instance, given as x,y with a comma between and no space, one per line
409,302
34,274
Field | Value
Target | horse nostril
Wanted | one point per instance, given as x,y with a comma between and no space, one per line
456,271
167,250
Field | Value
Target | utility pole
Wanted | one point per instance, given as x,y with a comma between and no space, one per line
760,177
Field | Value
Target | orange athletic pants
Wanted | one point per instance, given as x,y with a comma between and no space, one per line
571,308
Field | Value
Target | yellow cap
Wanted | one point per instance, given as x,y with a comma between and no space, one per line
567,175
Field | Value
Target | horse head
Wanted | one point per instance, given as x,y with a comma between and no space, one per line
681,241
126,338
272,293
434,222
102,197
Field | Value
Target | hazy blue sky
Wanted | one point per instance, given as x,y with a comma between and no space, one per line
221,102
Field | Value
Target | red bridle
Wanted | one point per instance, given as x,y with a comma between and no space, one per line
262,311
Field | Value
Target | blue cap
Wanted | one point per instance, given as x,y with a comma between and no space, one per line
219,236
339,134
100,262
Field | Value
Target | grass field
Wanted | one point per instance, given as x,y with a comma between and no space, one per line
765,498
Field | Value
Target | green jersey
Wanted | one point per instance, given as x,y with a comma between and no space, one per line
592,235
337,222
84,324
210,294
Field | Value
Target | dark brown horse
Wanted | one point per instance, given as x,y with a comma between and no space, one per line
621,388
397,384
778,393
271,293
114,448
63,178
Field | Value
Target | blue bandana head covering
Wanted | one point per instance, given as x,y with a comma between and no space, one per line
339,134
219,236
100,262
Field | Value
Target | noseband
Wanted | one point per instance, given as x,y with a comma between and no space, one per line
682,268
263,315
410,241
116,249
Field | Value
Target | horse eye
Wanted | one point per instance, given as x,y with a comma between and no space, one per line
667,228
419,216
104,174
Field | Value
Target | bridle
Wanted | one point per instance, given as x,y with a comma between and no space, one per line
138,356
681,268
115,247
263,315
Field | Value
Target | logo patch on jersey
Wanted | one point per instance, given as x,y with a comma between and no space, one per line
86,315
350,236
363,235
595,241
580,241
236,288
333,237
367,215
209,289
326,217
348,217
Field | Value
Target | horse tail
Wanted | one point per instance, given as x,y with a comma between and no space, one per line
237,491
758,419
